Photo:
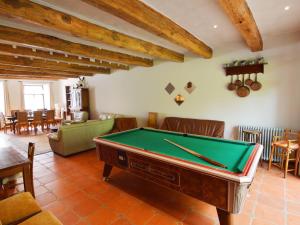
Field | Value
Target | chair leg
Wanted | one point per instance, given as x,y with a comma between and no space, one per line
297,162
287,159
282,157
271,157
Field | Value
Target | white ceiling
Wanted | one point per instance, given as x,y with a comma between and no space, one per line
196,16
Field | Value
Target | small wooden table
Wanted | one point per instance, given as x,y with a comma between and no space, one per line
12,162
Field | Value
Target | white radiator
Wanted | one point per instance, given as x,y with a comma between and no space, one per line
266,137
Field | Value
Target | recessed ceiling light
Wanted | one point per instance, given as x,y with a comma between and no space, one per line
287,8
215,26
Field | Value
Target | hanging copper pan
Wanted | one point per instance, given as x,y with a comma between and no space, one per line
255,86
231,86
238,82
249,81
243,91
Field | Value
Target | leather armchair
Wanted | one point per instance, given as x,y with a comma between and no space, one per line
124,123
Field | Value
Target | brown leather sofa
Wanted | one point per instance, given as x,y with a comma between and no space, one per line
212,128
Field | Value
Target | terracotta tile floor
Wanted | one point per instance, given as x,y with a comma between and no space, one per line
73,190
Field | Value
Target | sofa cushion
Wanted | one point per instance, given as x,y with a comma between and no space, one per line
53,136
18,207
43,218
81,116
212,128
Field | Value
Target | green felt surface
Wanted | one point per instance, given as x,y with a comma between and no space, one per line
233,154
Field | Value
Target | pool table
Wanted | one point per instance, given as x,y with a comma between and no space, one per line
145,153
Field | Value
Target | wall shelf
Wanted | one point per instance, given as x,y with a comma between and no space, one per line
244,69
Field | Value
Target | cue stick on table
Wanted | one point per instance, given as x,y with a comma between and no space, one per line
197,154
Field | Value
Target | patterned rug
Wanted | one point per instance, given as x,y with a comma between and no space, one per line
20,142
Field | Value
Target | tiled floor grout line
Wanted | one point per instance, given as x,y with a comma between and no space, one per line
252,217
285,202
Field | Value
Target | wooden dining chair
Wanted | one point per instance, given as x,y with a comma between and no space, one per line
14,112
37,120
255,137
10,183
22,121
50,118
286,148
5,124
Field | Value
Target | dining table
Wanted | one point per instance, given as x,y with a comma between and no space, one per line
13,162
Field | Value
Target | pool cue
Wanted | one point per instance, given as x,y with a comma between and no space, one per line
197,154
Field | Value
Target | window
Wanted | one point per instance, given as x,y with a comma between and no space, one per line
36,96
2,105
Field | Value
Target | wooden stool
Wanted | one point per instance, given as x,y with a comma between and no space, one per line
289,145
252,136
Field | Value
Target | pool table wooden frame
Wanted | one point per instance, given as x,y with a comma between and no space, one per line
225,190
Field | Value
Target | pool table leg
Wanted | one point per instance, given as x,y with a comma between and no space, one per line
106,171
225,218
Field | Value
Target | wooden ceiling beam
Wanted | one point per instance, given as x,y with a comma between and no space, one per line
41,70
27,11
28,52
35,76
39,63
32,39
27,73
17,77
139,14
241,16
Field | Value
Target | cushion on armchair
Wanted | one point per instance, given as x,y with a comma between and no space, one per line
43,218
17,208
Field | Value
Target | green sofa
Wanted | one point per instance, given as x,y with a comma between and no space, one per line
78,137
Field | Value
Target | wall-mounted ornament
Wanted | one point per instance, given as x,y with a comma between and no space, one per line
190,87
169,88
80,83
243,68
179,99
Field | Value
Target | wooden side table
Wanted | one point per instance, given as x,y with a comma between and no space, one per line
252,136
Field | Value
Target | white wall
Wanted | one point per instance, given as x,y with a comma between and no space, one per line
141,90
15,92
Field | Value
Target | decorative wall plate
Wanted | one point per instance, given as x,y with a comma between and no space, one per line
179,99
190,87
169,88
